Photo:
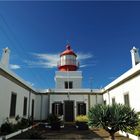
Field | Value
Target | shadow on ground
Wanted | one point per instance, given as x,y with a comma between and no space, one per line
69,132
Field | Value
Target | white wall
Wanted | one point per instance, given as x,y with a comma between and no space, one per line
75,98
62,77
41,107
96,99
6,88
132,87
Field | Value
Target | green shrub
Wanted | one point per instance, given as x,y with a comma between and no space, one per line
23,123
54,122
137,132
113,118
7,127
53,119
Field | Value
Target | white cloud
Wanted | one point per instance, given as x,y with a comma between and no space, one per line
30,83
112,78
82,56
51,60
43,60
82,66
14,66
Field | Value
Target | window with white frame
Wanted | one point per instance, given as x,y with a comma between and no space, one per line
113,100
126,99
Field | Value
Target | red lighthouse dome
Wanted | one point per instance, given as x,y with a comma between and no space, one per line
68,60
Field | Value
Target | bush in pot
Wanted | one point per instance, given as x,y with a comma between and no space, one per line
54,122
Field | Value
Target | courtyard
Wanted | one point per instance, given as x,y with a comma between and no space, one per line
67,133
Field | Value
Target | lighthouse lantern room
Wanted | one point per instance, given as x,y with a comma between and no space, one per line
68,60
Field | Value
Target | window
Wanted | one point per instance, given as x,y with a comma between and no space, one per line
57,108
81,108
126,99
25,106
13,105
113,100
104,102
32,109
68,85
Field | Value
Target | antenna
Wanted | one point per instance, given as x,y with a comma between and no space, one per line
91,82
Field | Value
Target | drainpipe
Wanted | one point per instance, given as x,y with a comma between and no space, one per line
89,101
96,98
41,108
49,102
108,97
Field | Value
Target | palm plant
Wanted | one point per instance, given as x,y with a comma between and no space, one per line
113,118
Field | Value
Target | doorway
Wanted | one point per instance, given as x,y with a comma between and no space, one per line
69,111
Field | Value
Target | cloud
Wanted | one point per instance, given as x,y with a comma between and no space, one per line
82,56
82,66
30,83
112,78
14,66
43,61
51,60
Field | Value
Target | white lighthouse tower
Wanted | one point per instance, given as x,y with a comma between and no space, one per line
68,77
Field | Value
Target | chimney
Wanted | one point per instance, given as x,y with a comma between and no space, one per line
135,56
5,57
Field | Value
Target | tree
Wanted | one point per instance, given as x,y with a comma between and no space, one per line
113,118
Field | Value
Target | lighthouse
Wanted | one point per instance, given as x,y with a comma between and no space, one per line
68,76
68,60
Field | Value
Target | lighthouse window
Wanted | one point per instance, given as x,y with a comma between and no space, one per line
70,59
68,85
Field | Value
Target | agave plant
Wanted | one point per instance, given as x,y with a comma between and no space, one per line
113,118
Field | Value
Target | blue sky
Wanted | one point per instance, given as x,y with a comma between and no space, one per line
101,33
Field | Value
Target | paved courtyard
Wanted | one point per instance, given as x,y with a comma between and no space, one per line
70,133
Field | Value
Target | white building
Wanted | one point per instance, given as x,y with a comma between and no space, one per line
68,98
126,89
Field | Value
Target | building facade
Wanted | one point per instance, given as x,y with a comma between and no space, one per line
68,99
125,89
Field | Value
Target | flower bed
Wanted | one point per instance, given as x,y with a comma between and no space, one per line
19,123
17,132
